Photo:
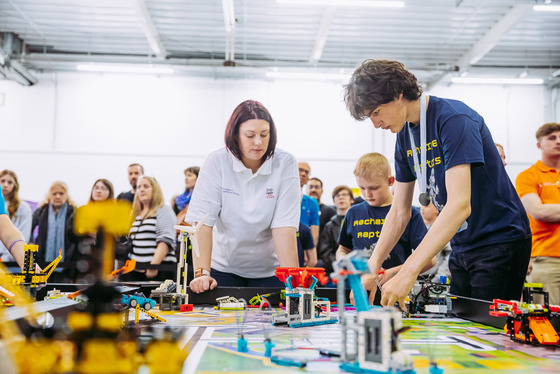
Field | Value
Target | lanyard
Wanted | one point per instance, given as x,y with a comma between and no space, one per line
421,172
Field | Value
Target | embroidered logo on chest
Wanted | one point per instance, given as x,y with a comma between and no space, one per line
269,193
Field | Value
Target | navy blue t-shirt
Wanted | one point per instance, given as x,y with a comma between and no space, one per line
304,242
362,225
455,135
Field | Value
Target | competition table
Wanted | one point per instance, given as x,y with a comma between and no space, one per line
457,345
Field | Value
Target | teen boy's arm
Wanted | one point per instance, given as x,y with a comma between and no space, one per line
456,211
395,223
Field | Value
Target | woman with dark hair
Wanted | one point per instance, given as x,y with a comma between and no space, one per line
102,190
18,211
181,202
250,191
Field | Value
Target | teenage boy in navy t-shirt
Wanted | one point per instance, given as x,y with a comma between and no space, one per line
480,212
363,222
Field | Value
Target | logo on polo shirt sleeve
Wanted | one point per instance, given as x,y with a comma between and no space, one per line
270,193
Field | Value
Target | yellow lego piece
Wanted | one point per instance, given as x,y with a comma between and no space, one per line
100,356
533,285
113,217
164,357
80,321
109,321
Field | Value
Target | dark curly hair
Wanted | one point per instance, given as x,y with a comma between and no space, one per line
378,82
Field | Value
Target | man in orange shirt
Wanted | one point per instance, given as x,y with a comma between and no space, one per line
539,190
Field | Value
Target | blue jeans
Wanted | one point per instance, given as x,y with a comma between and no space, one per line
494,271
232,280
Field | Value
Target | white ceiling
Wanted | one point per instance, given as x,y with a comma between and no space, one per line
434,38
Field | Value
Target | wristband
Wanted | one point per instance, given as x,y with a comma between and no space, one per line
13,243
200,272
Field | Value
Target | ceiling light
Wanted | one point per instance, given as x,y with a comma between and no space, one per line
126,69
482,80
311,76
357,3
546,8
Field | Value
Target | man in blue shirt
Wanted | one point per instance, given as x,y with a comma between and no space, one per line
309,206
447,147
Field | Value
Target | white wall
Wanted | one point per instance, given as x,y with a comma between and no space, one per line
78,127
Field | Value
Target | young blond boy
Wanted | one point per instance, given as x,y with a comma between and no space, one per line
363,222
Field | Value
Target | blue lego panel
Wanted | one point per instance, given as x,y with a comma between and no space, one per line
313,323
354,367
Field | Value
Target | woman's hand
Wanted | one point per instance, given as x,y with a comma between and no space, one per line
203,283
151,273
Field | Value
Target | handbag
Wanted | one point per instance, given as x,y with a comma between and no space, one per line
124,245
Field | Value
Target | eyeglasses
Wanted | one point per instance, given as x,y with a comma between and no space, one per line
341,194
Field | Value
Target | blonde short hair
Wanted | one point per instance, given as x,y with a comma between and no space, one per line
372,164
64,187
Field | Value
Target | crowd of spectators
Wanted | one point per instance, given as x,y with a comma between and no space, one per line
153,237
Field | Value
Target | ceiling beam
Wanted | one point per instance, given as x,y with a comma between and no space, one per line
322,33
493,36
486,43
11,68
149,29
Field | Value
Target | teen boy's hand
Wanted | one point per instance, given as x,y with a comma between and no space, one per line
397,289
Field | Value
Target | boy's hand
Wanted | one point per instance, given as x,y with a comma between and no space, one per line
397,289
368,281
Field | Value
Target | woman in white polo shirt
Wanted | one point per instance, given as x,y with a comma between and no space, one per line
251,193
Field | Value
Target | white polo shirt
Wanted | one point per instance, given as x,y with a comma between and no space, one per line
243,208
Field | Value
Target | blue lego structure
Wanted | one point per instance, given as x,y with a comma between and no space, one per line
138,299
376,331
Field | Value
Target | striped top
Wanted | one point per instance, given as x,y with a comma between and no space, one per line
147,233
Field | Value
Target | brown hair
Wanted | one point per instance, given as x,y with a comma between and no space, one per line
378,82
193,169
155,203
339,189
372,164
107,184
13,197
318,180
135,164
249,109
547,129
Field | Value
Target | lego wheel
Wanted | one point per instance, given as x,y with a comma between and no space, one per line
147,306
133,303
